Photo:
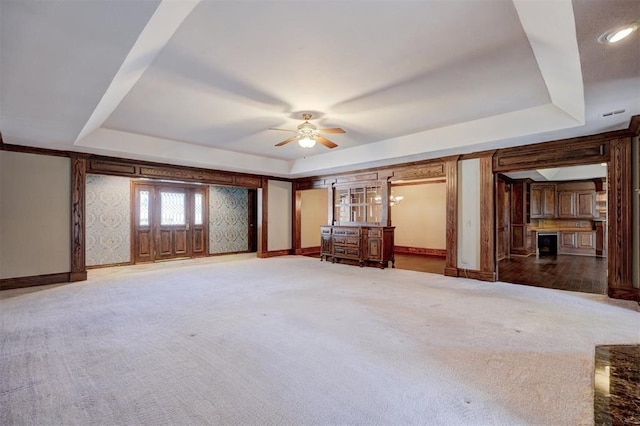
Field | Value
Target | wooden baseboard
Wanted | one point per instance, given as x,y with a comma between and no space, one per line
470,273
77,276
521,252
421,251
307,250
477,275
275,253
624,293
37,280
110,265
450,272
224,254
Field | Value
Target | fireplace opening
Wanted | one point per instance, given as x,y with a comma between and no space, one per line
548,244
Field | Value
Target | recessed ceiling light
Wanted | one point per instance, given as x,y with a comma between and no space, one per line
611,113
618,34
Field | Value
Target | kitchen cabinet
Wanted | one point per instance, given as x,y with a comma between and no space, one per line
577,242
576,204
543,201
601,238
522,241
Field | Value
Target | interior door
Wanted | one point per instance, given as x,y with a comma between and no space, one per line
143,214
199,226
252,208
170,221
173,235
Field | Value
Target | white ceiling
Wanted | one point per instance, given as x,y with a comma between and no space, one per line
200,82
589,171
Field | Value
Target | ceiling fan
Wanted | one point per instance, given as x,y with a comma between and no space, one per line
308,134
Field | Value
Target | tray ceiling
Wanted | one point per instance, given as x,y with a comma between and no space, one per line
200,82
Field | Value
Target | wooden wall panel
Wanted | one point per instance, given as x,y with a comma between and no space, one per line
451,262
134,169
263,247
567,152
426,171
78,217
487,220
297,221
619,216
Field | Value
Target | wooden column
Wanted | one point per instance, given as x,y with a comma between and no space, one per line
78,179
263,247
297,221
487,220
620,284
451,173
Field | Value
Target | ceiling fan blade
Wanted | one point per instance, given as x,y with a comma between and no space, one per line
286,141
332,130
324,141
284,130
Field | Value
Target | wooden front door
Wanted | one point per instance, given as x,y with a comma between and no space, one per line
173,236
170,222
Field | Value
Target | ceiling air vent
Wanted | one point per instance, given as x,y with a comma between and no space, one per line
611,113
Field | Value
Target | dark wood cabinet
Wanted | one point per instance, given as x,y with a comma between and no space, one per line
364,244
601,238
577,242
543,201
563,200
567,204
578,204
586,204
522,238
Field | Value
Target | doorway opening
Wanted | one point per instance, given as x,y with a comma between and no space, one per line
551,228
420,220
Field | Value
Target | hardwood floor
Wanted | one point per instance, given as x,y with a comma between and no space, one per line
416,262
563,272
587,274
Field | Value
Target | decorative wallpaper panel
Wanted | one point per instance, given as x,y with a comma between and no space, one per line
228,219
108,209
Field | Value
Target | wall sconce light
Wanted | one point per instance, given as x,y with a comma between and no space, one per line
393,199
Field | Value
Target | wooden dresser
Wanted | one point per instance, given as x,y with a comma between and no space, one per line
364,244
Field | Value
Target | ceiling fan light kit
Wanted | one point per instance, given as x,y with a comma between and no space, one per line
308,134
307,142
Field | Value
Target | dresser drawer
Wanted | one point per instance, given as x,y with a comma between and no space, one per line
376,232
346,231
345,251
346,241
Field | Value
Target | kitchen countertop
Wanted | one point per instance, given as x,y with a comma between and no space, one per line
617,385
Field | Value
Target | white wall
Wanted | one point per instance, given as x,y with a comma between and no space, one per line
469,214
35,215
421,218
279,221
313,214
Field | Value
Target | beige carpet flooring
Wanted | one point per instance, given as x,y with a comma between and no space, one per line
293,340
